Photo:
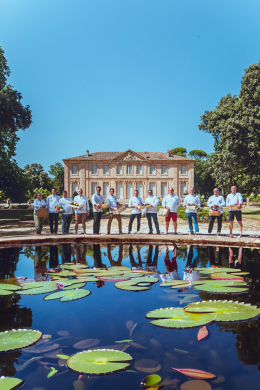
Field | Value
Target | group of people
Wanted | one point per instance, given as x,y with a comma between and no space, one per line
171,202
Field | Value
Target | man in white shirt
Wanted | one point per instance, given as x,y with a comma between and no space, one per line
235,198
52,201
171,202
113,204
38,204
97,213
192,199
216,201
80,214
151,212
134,203
67,212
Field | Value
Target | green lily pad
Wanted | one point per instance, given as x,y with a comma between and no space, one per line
222,286
226,276
65,282
177,283
123,341
74,286
211,270
151,380
38,288
74,266
8,289
225,310
64,274
10,383
99,361
17,339
176,317
87,279
133,284
67,296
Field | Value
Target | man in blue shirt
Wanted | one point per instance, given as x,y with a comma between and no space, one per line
97,198
217,202
52,201
151,212
112,205
134,203
234,199
192,203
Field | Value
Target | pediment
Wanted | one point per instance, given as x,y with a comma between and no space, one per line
129,155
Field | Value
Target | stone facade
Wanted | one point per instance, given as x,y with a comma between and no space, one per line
127,171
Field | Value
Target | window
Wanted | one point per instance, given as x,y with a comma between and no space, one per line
183,189
94,169
119,190
106,189
152,187
74,169
139,169
129,190
119,170
183,170
164,169
106,170
93,188
152,170
74,188
129,169
163,189
139,188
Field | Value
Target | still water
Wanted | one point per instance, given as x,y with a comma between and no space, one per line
107,315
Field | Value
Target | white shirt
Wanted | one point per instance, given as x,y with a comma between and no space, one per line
97,199
51,202
234,199
135,201
171,276
37,204
192,199
81,200
218,200
172,201
111,201
65,204
154,201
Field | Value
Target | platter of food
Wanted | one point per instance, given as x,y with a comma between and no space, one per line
119,209
191,206
76,205
97,206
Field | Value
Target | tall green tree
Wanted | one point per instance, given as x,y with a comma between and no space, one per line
57,171
179,152
13,117
203,181
36,176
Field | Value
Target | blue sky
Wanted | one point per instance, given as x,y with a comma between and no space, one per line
112,75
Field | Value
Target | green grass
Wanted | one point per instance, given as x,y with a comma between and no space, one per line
251,212
9,216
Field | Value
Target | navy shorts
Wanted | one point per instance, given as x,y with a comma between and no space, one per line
235,213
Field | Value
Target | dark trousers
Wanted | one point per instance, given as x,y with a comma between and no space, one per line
132,217
212,220
96,224
149,217
132,260
66,220
54,256
53,217
152,262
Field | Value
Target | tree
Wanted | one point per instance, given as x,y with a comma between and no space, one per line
37,177
179,152
198,154
203,182
13,117
57,171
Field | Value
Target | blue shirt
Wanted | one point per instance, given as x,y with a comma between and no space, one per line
171,201
81,200
135,201
218,200
154,201
51,202
37,204
192,199
95,200
65,204
234,199
111,201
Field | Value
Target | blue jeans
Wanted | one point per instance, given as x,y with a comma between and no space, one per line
153,216
193,216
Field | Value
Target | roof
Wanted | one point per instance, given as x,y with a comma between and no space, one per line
145,156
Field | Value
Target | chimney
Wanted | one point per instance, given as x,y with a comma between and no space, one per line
87,153
168,153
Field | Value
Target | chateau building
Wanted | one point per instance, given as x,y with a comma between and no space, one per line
127,171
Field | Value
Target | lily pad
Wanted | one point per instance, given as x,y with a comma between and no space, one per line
211,270
17,339
223,286
67,296
38,288
99,361
225,310
64,282
175,283
147,365
74,266
151,380
87,279
83,344
65,274
10,383
133,284
196,385
226,276
74,286
176,317
8,289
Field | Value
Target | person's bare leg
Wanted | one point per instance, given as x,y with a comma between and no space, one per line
76,224
240,227
175,227
83,220
231,228
240,255
166,226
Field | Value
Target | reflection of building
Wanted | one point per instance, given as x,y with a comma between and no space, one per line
128,171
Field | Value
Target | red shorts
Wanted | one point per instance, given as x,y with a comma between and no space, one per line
172,216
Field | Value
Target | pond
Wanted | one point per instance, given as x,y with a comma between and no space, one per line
111,315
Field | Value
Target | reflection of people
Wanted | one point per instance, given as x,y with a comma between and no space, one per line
134,204
234,198
113,204
211,255
151,212
66,253
132,260
152,261
235,263
120,255
192,199
80,252
97,213
171,265
217,202
171,202
39,266
38,204
80,214
192,256
54,256
52,201
67,212
97,256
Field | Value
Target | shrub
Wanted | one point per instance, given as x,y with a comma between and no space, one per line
203,214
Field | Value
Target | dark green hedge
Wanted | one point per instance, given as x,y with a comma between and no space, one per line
203,214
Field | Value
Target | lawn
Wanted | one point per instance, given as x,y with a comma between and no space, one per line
8,216
251,212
